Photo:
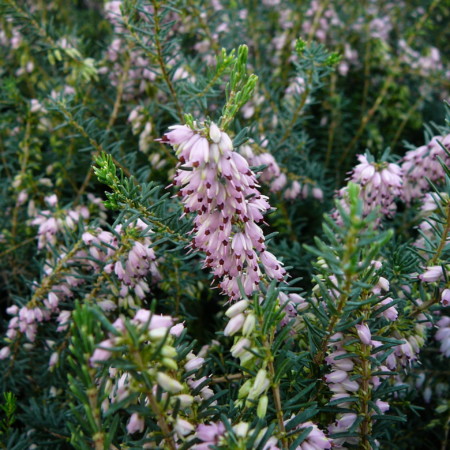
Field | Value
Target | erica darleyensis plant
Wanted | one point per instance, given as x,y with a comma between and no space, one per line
214,234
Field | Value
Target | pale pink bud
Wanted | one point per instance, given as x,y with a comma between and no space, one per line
364,333
389,313
317,193
53,359
5,352
101,354
51,200
240,347
194,364
432,273
336,376
135,424
234,325
383,406
12,310
177,329
383,283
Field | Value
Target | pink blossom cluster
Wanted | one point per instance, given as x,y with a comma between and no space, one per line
426,65
405,354
273,176
328,20
156,325
381,185
103,250
422,163
217,184
25,320
215,434
142,72
292,305
50,224
12,38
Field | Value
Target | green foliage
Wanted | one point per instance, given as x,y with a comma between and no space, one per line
87,91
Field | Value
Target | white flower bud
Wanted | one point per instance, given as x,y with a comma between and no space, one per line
168,351
183,427
260,385
168,383
239,348
245,389
214,152
214,133
158,333
234,325
225,144
170,363
185,400
262,407
236,309
241,429
249,325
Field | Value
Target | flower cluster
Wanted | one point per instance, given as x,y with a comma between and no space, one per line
277,180
123,253
217,183
381,186
422,163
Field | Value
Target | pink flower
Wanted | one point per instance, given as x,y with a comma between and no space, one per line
5,352
210,433
194,364
337,376
102,353
234,325
316,438
135,424
431,274
381,185
364,333
389,313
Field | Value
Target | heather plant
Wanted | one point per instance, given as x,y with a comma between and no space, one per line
225,225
